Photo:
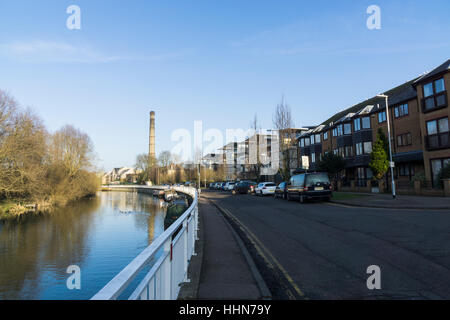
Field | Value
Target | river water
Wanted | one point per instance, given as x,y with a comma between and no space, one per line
100,235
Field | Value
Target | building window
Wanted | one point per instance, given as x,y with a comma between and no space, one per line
438,134
363,174
312,139
363,148
313,157
404,140
434,95
439,85
437,126
405,170
436,166
342,152
367,147
339,130
334,132
382,116
359,149
401,111
357,124
349,151
336,152
307,142
348,128
325,135
302,143
433,88
366,123
318,138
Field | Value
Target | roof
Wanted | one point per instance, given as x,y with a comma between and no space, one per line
347,117
367,110
317,129
396,95
442,68
306,133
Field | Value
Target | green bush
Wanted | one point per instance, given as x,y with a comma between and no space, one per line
379,163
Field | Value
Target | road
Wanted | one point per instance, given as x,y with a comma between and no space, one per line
322,250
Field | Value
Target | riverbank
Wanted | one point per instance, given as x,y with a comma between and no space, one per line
13,209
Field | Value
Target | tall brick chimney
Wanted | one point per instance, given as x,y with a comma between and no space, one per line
151,150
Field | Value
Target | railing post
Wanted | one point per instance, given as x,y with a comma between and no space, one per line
186,253
196,222
166,282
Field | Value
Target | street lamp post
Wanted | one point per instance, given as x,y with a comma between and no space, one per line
391,163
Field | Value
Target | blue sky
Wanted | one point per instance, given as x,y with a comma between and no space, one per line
216,61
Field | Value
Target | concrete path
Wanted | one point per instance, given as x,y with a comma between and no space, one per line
225,273
401,201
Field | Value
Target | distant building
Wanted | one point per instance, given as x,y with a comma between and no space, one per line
124,174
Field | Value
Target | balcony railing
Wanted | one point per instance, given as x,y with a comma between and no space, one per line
437,141
434,102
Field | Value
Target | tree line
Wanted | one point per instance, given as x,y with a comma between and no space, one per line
39,167
167,168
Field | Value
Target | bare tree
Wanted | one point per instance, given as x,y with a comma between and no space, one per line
73,149
22,154
142,164
282,120
37,166
165,159
254,150
8,108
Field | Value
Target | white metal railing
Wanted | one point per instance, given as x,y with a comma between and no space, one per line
163,280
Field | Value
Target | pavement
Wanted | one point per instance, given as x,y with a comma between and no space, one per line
321,250
387,201
226,272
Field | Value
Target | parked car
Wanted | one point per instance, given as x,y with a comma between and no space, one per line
281,191
265,188
305,186
244,187
229,186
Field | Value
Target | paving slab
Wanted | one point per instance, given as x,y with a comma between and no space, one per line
225,273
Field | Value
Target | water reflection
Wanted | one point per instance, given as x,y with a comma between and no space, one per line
101,235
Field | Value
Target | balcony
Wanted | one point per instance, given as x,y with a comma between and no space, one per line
437,141
435,102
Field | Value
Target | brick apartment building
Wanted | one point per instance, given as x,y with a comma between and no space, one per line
419,118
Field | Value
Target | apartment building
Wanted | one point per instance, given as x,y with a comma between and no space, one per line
247,159
432,98
418,113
